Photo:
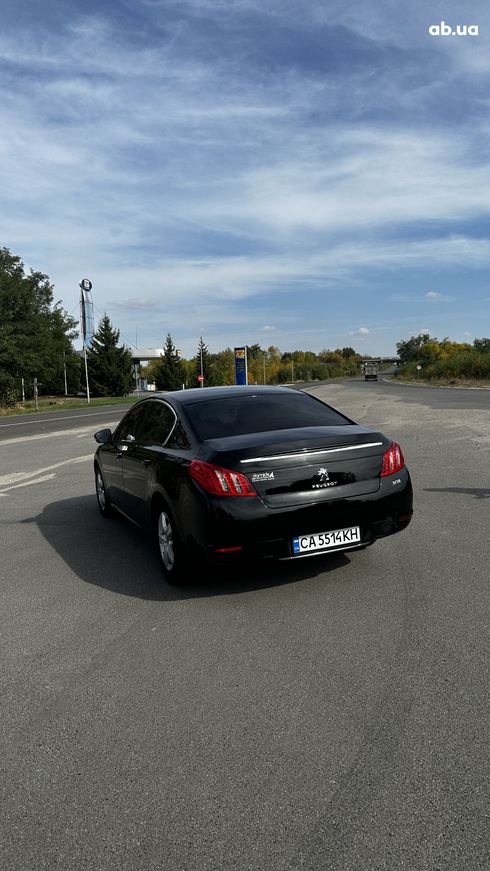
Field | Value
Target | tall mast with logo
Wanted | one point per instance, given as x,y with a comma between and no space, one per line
87,323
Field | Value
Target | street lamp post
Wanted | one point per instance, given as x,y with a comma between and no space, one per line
64,374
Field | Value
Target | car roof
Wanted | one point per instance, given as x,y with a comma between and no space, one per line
199,394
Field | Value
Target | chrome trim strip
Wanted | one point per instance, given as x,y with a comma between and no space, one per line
312,453
174,423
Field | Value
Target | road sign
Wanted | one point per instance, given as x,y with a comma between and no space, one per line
200,377
85,284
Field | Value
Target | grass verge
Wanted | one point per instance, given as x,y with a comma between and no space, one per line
63,403
443,382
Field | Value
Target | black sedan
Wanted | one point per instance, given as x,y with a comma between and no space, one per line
223,474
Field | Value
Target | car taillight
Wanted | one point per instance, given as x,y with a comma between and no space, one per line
393,460
219,481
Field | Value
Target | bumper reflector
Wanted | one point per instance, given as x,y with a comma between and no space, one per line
227,549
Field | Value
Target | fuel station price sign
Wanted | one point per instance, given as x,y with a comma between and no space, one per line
241,365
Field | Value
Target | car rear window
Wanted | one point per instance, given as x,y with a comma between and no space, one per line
239,415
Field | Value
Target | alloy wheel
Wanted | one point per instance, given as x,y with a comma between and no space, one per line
166,541
101,495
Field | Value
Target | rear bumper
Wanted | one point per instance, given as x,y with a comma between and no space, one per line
216,524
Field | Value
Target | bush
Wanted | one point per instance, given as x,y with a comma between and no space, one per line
8,390
460,362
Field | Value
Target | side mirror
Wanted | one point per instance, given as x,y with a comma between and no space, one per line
103,436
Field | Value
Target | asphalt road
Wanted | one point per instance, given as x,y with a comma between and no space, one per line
325,714
45,423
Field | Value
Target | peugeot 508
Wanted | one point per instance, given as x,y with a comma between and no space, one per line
224,474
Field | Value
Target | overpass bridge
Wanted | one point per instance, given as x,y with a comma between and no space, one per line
381,361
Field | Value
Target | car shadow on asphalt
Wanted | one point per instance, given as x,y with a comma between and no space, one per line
477,492
115,555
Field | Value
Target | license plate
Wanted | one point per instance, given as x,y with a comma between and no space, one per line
327,540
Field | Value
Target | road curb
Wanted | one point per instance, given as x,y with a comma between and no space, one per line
433,386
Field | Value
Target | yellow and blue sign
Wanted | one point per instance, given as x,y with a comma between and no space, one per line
241,365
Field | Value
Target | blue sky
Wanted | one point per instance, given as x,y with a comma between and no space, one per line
290,172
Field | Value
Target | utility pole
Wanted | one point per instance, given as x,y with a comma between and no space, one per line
264,368
202,373
36,401
64,373
23,390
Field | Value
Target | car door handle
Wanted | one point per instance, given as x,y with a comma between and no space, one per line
119,455
145,462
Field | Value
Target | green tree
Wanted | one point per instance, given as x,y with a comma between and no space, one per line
332,359
9,393
410,349
34,332
255,363
189,372
222,367
203,355
110,366
482,345
169,371
444,359
347,352
63,355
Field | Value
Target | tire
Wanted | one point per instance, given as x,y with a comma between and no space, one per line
102,495
169,547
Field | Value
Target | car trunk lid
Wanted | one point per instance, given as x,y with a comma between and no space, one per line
312,464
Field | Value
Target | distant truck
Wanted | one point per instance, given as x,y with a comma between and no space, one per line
370,371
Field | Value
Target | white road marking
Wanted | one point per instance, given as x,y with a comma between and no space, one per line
28,483
15,477
48,435
42,419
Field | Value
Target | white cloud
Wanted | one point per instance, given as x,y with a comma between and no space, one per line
373,178
345,177
185,182
136,304
212,290
267,328
434,296
360,333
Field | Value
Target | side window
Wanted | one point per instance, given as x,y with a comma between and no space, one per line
133,423
158,423
178,439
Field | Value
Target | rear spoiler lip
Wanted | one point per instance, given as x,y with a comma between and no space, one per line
307,453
